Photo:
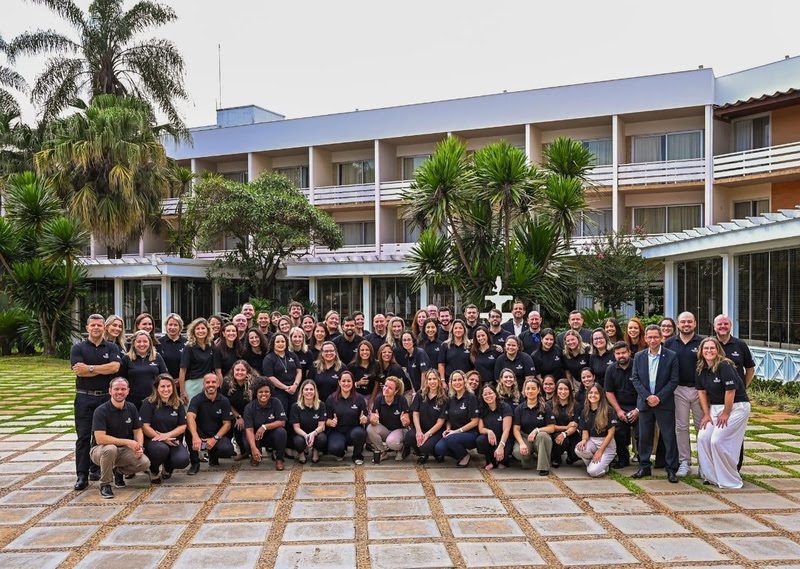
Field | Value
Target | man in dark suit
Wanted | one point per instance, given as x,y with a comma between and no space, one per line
655,377
516,324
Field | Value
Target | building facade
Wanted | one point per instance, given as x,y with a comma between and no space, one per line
673,152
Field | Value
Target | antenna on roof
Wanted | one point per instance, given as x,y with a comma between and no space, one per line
786,57
219,74
699,66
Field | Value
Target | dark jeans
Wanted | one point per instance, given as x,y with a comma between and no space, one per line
84,411
568,446
487,450
666,423
427,447
274,439
240,439
338,441
160,453
456,444
320,442
222,449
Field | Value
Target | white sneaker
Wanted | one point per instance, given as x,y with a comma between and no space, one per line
683,469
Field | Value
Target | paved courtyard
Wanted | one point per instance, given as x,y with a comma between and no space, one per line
391,515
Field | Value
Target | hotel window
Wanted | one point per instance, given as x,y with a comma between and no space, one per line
699,288
240,177
668,219
595,222
395,295
358,172
750,208
192,298
601,151
358,232
298,175
141,296
751,133
669,146
341,295
411,232
99,299
411,163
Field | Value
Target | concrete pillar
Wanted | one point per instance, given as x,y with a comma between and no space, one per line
216,297
378,178
119,293
670,290
729,291
141,245
92,246
166,301
256,165
312,290
533,144
618,157
366,300
708,138
424,296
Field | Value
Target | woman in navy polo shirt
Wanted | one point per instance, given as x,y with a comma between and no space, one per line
388,421
141,366
495,429
428,411
164,424
532,436
307,418
462,422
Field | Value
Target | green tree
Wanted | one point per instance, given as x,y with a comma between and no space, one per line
495,215
611,270
9,79
270,220
39,250
107,56
179,235
110,168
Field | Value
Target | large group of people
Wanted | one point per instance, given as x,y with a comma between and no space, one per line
291,387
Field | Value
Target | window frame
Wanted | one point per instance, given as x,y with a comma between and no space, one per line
666,214
664,135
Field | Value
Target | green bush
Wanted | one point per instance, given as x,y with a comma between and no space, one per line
11,324
783,395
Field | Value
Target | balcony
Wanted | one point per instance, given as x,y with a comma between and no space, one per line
663,172
757,162
601,175
393,191
341,195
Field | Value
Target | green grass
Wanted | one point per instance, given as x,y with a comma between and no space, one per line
626,481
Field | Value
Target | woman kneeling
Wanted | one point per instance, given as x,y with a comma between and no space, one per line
264,422
598,422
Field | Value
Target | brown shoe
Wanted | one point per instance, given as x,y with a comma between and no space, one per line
278,465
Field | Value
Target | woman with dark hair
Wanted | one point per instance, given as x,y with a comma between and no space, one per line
172,343
516,360
565,416
456,351
548,388
531,432
237,386
428,412
601,356
429,341
483,354
307,325
265,422
226,352
613,331
347,415
547,359
280,368
668,328
462,422
163,421
634,335
587,379
418,322
326,370
141,366
364,370
414,362
474,383
598,421
215,324
145,322
494,426
388,422
387,366
297,344
507,388
307,418
255,348
318,336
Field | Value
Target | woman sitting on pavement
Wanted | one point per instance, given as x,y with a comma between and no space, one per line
163,424
264,422
307,418
462,422
494,427
428,412
532,429
389,421
598,421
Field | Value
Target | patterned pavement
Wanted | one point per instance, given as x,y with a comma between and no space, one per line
380,516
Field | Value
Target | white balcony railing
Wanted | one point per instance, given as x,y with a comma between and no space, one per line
601,175
347,250
759,161
338,195
393,191
402,249
665,172
169,206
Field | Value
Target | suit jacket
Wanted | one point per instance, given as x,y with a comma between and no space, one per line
666,379
508,326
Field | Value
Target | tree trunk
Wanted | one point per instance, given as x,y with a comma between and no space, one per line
48,347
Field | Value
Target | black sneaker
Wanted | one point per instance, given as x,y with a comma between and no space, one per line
106,491
213,461
376,457
94,476
119,479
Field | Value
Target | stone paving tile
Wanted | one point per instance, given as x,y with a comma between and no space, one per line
136,534
788,427
322,556
664,486
404,475
539,506
497,555
759,445
402,529
762,501
53,537
473,506
51,481
409,556
785,484
319,531
164,512
572,472
692,502
678,549
398,490
122,558
71,514
653,524
726,523
763,548
261,477
30,497
602,552
781,456
42,455
762,469
24,467
251,493
327,476
398,508
242,510
484,527
521,489
247,532
461,489
218,558
779,436
621,505
17,516
92,495
316,510
39,560
566,525
63,468
593,487
452,474
746,487
789,522
324,492
181,494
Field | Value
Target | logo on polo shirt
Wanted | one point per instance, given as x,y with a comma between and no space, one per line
180,351
128,420
413,365
436,349
173,414
716,379
271,417
556,358
735,354
219,411
105,356
154,364
397,411
316,416
436,408
539,417
582,362
499,418
694,350
463,406
354,406
519,366
491,356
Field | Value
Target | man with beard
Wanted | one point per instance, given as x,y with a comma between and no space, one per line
516,325
296,313
471,319
445,323
622,397
348,342
208,420
497,334
378,335
532,336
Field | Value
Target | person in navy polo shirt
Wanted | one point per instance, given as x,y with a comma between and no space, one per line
208,418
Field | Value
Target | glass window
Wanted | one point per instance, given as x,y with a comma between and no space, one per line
750,208
411,232
750,134
191,298
442,295
684,145
651,220
682,217
649,148
359,172
285,291
358,233
240,177
700,290
394,295
596,222
601,150
298,175
233,293
341,295
99,299
411,163
142,296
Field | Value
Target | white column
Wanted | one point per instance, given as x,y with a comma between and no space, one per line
311,174
423,296
312,289
141,246
366,300
708,137
119,292
92,246
166,301
378,197
670,290
729,290
617,152
216,297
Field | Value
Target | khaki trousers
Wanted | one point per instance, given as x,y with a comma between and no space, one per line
109,457
540,449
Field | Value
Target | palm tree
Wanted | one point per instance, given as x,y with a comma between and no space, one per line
9,79
180,236
107,57
110,168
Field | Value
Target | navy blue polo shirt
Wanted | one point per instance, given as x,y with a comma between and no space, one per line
93,355
687,357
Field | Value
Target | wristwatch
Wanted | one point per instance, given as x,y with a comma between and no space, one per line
91,369
216,437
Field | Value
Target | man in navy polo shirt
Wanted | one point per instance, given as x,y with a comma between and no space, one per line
208,420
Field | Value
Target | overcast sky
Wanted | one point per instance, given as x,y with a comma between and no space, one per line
302,58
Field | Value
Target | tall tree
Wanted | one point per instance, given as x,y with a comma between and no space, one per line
110,168
106,57
9,79
270,221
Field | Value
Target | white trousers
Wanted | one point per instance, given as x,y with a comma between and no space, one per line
595,469
718,448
